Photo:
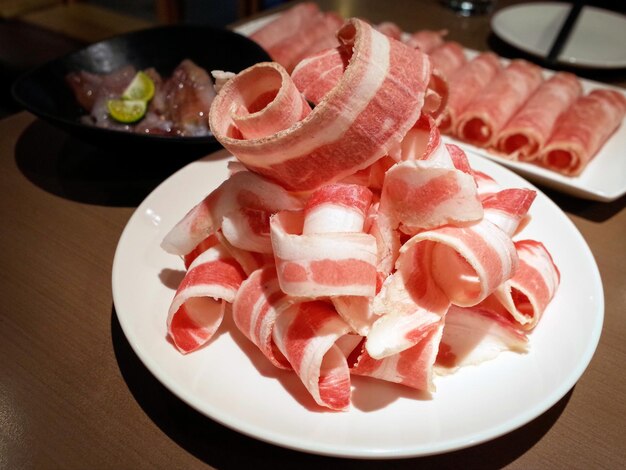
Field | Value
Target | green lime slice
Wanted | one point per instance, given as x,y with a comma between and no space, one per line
127,111
140,88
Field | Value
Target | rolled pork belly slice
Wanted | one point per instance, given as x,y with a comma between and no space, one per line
240,206
286,25
448,58
309,335
473,335
531,289
508,208
197,308
318,74
391,29
426,40
436,268
582,130
490,111
411,367
299,31
464,85
445,59
374,104
315,265
256,305
318,34
528,131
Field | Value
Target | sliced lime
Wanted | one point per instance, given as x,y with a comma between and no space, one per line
127,111
140,88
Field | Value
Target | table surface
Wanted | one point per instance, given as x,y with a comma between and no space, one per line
74,395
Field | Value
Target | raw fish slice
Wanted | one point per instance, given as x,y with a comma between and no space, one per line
90,87
188,96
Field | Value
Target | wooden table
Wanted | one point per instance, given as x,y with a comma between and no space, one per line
74,395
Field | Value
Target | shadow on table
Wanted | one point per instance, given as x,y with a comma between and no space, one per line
224,448
112,176
594,211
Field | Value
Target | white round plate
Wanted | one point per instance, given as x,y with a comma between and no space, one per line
232,383
597,40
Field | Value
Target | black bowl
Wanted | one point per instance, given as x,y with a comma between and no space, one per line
45,93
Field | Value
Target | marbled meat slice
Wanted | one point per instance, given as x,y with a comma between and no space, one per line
491,109
473,335
426,40
464,85
448,58
314,265
307,334
582,130
256,306
246,200
527,294
197,309
529,129
384,78
298,32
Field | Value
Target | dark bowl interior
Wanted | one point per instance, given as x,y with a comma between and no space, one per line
44,92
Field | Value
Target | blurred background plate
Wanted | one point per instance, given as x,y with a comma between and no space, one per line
597,40
44,92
